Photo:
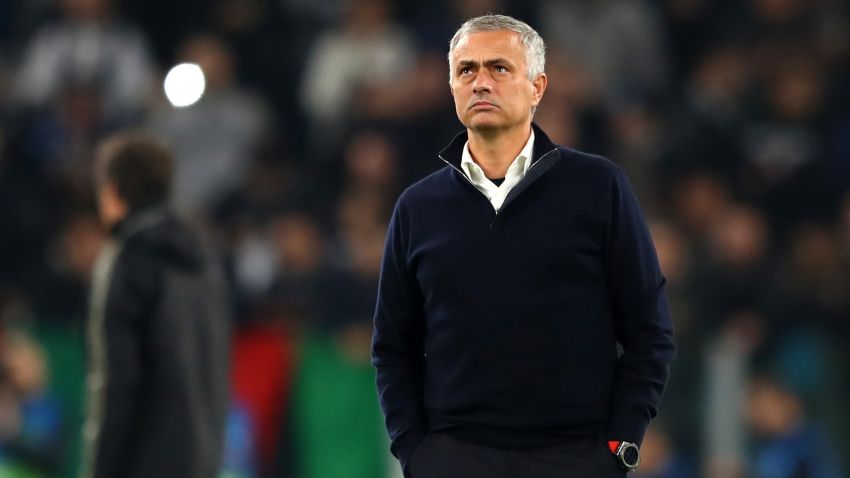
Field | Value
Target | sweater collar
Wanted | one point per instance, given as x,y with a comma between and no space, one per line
453,153
138,219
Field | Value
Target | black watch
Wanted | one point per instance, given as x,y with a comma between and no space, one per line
628,454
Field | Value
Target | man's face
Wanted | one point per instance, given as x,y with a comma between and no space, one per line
489,81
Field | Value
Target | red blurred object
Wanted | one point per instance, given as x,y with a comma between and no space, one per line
263,366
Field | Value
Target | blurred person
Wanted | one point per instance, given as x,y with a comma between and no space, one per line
674,256
735,287
573,112
271,39
245,220
814,279
427,116
620,41
338,435
358,213
572,86
783,145
367,52
732,297
433,22
352,282
254,267
640,135
695,25
781,18
60,141
561,123
30,226
88,45
719,82
354,268
371,163
158,329
740,238
786,442
269,186
57,287
508,279
216,139
30,416
811,321
298,286
717,100
698,200
677,260
371,168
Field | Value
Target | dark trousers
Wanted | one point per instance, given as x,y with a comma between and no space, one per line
442,456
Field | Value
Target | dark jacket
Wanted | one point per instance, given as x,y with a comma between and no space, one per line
502,329
158,343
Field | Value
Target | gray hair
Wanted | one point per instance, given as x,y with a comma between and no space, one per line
535,49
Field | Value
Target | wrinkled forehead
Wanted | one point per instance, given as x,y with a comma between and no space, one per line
480,46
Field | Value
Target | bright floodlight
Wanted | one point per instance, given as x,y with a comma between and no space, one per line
184,84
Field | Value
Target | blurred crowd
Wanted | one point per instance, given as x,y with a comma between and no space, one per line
731,119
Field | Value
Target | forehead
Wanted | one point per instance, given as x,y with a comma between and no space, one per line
491,44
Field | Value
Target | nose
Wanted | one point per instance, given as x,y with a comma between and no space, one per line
481,83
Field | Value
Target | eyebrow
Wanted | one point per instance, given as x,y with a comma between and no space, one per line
465,63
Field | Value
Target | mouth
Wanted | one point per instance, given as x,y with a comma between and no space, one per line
482,105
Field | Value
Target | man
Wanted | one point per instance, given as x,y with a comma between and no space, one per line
508,280
158,330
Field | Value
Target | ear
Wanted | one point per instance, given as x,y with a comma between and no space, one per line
538,86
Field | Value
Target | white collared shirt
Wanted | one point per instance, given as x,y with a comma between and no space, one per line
516,171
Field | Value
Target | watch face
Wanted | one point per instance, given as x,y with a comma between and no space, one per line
630,456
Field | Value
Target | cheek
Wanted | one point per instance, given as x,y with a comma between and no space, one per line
459,92
460,98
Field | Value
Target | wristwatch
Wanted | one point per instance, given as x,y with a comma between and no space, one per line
628,454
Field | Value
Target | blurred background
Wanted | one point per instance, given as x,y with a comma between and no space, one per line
308,117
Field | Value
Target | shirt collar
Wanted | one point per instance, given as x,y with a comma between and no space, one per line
522,161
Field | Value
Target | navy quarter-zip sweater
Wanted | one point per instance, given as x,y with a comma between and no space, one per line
502,329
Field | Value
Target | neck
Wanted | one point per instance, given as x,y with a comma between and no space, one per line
494,151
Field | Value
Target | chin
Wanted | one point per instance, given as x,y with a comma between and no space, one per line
484,124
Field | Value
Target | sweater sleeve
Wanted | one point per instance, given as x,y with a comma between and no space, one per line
397,344
641,316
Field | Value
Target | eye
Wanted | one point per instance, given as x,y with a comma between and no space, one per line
501,69
465,70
